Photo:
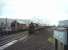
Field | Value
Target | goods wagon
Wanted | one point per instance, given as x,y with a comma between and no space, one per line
13,27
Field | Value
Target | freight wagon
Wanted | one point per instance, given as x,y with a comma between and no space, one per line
14,26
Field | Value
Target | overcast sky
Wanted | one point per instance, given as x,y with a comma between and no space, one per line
51,10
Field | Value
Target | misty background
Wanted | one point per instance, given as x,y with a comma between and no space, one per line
42,11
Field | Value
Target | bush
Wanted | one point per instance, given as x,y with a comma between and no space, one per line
51,40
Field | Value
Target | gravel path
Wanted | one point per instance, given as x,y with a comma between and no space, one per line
37,41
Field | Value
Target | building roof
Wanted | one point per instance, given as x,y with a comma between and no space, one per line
20,22
23,21
63,23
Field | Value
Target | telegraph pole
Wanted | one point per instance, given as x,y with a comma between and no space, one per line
6,21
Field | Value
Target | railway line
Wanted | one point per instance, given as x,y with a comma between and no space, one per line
6,39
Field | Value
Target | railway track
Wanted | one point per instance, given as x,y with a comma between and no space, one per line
9,38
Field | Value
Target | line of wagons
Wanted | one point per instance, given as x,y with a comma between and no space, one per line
14,27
